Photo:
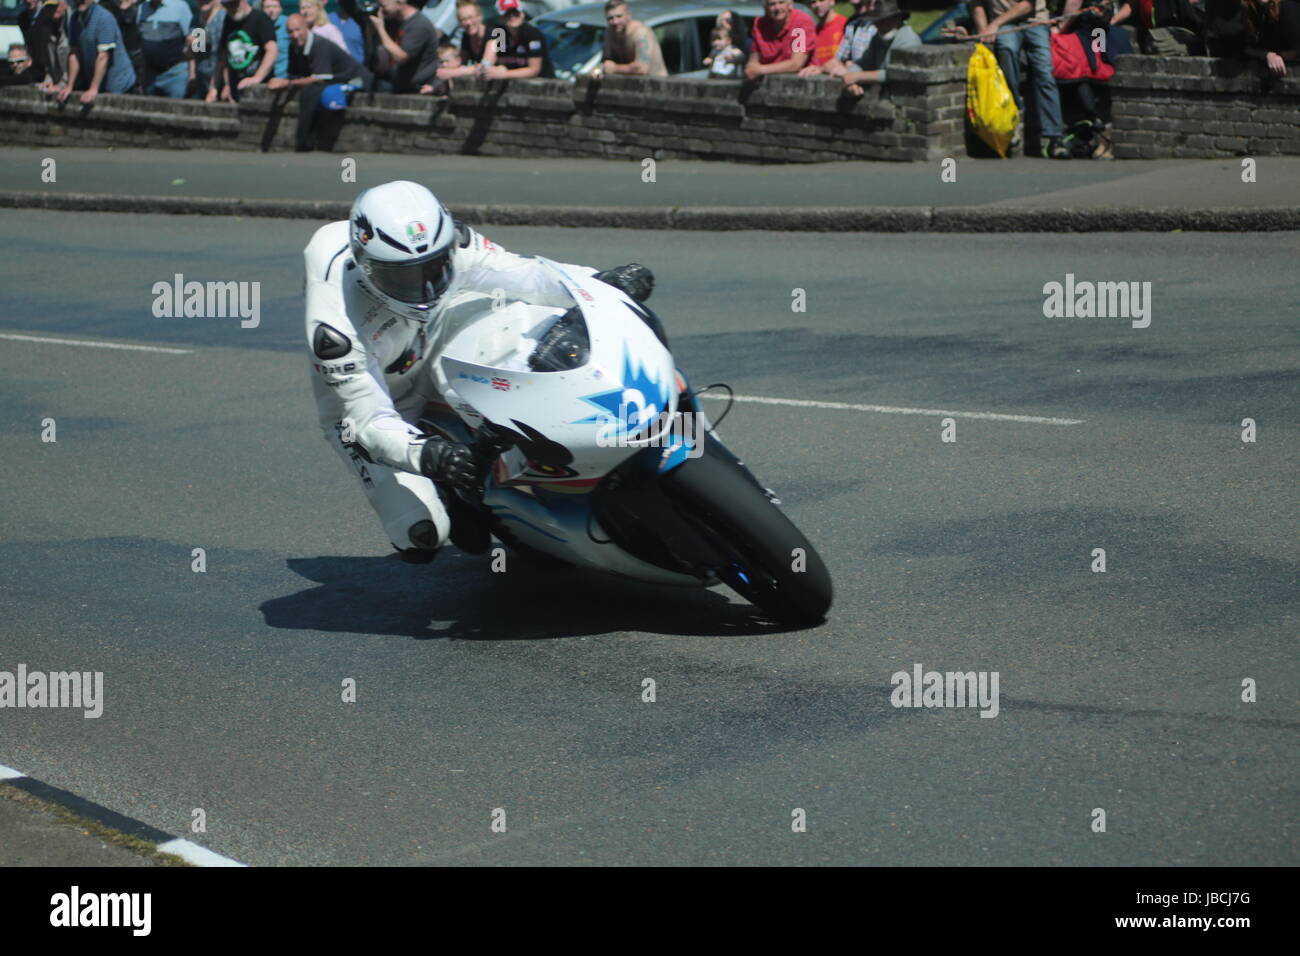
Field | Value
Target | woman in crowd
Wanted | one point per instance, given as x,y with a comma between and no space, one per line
1266,30
730,20
313,11
477,52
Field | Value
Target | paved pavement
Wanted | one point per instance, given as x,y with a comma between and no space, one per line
1016,185
522,691
31,834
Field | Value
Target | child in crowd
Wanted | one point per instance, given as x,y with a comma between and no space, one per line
725,58
448,59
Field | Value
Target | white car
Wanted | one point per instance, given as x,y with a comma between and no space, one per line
9,32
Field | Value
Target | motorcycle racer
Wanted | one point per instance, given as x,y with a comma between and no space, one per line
385,292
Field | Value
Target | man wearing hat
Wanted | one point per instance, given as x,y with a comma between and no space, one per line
325,71
892,33
521,52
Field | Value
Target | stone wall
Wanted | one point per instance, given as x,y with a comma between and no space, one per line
783,119
1163,106
1198,107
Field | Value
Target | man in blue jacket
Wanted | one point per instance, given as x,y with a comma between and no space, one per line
96,55
164,25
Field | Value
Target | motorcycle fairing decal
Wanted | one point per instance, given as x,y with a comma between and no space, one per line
674,456
634,405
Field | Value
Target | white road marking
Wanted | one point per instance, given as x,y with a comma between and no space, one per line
898,410
195,854
94,345
189,852
755,399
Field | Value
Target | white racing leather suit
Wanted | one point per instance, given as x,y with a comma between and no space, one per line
374,370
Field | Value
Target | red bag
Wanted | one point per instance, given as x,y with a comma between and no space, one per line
1070,59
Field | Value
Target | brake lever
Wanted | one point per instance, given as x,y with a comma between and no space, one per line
489,444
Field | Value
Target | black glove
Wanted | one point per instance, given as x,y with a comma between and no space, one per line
634,279
452,464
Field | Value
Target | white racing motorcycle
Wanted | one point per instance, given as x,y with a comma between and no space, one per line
599,455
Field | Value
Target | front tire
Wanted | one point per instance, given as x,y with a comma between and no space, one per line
771,564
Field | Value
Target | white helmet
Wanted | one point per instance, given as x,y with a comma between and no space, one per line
402,240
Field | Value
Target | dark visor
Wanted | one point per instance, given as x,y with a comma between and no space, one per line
419,283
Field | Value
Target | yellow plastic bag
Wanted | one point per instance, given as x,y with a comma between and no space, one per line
989,104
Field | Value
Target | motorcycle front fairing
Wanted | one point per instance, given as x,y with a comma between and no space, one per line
575,419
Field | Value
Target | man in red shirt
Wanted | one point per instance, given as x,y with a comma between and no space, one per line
830,31
783,40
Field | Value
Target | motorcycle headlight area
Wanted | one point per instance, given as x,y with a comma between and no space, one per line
566,345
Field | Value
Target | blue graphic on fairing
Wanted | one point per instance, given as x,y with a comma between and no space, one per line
634,405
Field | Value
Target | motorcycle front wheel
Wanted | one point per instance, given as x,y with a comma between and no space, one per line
769,561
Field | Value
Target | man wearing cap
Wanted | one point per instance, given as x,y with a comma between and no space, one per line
322,69
521,53
783,40
892,33
630,45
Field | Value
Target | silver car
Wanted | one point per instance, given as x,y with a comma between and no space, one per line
575,37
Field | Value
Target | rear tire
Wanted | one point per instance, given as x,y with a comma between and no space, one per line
716,494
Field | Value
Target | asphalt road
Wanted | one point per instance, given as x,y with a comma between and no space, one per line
522,690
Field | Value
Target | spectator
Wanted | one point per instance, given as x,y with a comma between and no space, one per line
369,36
830,31
18,69
783,40
317,66
126,13
353,35
725,57
522,53
1266,30
246,53
991,17
630,45
275,13
1171,27
892,33
203,51
858,34
409,60
44,28
164,25
730,21
476,50
96,55
449,63
313,11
